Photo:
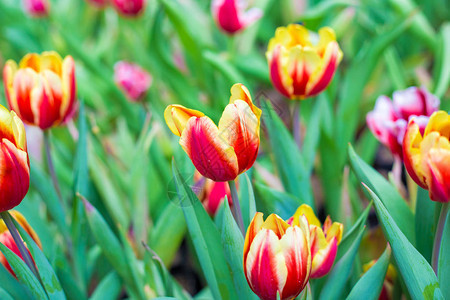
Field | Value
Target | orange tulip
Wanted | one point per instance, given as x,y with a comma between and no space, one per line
7,239
14,161
221,152
41,90
277,257
427,155
324,240
300,68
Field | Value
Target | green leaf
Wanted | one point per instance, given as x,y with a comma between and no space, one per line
282,203
390,197
246,199
287,157
313,133
337,278
418,275
371,283
48,276
12,286
108,288
233,247
23,273
425,225
444,257
443,61
4,295
206,239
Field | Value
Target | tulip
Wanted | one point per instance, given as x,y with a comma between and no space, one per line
231,17
388,284
426,154
389,119
14,161
7,240
37,8
219,153
41,90
212,193
324,240
129,8
277,257
132,79
300,68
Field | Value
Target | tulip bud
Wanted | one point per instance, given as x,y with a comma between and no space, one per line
231,17
42,89
212,193
300,67
7,239
324,240
389,119
37,8
221,152
129,8
132,79
277,257
14,161
427,155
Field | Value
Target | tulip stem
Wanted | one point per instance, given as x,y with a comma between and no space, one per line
297,131
236,206
438,236
51,168
19,242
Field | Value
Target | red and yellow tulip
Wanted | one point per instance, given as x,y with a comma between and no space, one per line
300,68
324,240
14,161
42,89
427,155
277,257
7,239
221,152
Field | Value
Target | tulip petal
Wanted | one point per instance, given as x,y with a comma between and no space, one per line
411,153
302,62
177,116
52,61
210,154
324,255
253,229
69,88
240,92
275,224
279,72
308,212
14,175
439,166
239,127
27,88
440,122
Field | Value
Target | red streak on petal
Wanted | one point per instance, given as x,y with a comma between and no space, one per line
275,72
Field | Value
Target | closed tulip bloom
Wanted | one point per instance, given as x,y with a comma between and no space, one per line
277,257
231,17
427,155
302,64
7,239
42,89
388,119
37,8
132,79
129,8
221,152
14,162
324,240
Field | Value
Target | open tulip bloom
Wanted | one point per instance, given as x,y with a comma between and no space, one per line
299,67
277,257
42,89
221,152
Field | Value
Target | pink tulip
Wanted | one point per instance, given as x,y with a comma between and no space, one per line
129,8
132,79
37,8
231,17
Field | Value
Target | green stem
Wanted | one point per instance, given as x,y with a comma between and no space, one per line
297,130
236,206
438,236
51,168
19,242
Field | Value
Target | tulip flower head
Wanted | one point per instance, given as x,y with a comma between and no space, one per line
324,240
132,79
426,154
7,239
42,89
299,67
222,152
231,17
277,257
388,284
212,193
129,8
14,161
389,119
37,8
